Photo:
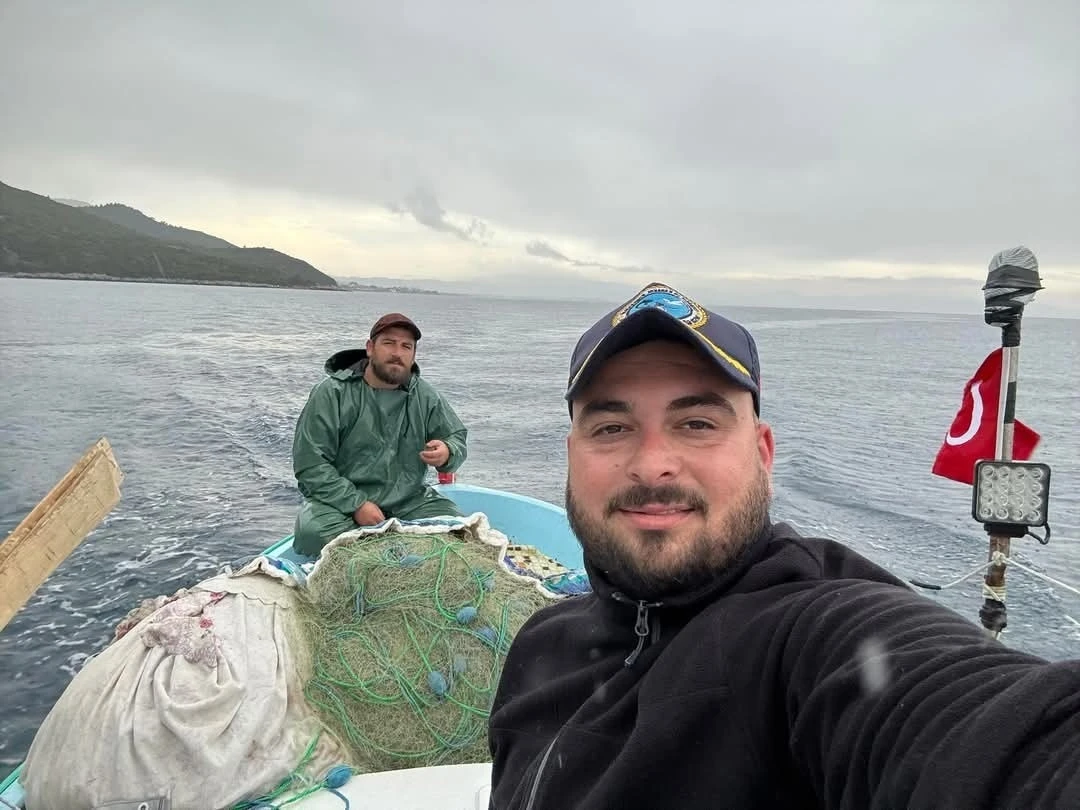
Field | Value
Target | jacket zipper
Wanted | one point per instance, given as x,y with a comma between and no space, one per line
643,628
641,625
539,772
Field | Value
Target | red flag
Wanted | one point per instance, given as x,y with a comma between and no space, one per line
973,433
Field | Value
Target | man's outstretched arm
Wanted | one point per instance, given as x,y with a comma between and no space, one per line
896,702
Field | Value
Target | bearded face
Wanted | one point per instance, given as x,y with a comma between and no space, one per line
668,470
391,371
655,563
391,355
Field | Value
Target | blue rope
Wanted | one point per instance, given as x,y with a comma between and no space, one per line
337,777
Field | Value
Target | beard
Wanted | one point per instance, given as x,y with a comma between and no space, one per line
389,373
647,566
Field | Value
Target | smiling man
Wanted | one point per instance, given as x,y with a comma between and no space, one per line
669,463
366,437
724,660
669,477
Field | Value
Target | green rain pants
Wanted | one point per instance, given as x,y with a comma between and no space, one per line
317,524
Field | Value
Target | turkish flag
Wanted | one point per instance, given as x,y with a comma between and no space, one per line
973,433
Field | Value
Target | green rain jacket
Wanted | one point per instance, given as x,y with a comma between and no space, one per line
354,443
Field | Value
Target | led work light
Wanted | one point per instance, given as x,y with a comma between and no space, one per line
1011,493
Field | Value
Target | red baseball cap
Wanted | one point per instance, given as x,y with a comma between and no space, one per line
394,319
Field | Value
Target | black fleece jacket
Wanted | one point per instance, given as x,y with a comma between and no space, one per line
805,677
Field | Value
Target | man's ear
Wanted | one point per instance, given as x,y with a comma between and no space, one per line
369,346
765,445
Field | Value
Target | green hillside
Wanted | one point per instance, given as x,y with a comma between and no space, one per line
41,237
259,257
140,222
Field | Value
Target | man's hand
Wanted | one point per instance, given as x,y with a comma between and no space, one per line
435,453
368,514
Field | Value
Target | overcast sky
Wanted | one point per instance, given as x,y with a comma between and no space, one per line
766,152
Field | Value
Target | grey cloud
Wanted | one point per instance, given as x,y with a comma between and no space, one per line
696,136
543,250
425,209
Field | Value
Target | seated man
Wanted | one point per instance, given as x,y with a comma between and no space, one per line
366,436
725,660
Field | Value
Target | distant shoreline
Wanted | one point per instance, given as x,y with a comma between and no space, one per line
352,286
159,280
225,283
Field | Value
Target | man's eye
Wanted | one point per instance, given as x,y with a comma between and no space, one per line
698,424
608,430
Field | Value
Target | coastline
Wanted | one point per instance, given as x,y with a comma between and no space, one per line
212,283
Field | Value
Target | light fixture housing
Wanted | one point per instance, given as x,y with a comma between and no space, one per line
1011,493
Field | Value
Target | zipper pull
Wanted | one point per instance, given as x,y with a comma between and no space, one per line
641,629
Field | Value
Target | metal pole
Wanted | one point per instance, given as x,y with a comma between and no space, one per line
1010,363
1010,285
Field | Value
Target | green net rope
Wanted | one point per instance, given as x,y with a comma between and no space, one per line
408,635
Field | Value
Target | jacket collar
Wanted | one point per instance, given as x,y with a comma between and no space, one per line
752,553
350,364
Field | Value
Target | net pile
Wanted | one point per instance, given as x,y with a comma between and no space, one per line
408,633
275,680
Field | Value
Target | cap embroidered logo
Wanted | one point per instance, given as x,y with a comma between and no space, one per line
670,301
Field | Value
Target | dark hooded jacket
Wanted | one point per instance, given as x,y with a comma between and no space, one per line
805,677
354,443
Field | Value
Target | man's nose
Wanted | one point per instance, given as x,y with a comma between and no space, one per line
656,458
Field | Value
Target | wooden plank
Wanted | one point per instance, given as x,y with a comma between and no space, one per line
52,530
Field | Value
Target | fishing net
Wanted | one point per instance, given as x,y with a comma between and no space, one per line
408,633
260,685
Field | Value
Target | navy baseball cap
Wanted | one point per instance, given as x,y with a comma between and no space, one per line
660,311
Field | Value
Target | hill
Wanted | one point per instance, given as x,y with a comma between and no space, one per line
139,222
257,257
41,237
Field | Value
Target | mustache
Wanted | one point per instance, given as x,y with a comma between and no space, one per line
641,495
